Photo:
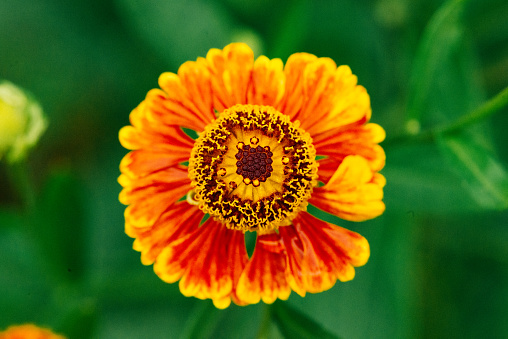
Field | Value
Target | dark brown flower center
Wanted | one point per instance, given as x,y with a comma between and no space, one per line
254,163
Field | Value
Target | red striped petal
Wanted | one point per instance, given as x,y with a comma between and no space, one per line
264,276
207,262
177,221
319,253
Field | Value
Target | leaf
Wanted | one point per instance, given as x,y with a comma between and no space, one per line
443,92
294,324
440,41
59,224
203,321
26,290
417,181
292,30
483,175
178,30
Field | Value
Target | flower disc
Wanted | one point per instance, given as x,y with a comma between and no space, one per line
252,168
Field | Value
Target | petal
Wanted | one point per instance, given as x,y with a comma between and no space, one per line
268,82
149,196
357,140
28,331
169,108
177,221
140,163
230,70
146,133
208,261
263,278
352,193
331,97
191,89
156,145
316,81
319,253
327,168
292,101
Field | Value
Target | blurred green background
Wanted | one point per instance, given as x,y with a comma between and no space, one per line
439,254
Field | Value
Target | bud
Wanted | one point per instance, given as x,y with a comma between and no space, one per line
22,122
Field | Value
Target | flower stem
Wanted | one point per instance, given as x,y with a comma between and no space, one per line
490,107
487,109
20,178
264,328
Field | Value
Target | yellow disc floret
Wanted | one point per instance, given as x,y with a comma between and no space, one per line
252,168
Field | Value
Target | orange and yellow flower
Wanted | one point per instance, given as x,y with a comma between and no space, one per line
28,331
272,139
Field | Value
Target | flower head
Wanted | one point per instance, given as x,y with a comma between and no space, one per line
22,120
272,139
28,331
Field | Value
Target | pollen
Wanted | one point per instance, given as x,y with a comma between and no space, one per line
253,169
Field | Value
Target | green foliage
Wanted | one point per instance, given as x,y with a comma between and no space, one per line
436,72
484,177
294,324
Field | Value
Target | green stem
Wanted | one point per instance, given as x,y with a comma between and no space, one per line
19,175
264,328
492,106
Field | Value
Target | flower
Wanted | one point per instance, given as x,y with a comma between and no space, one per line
28,331
23,122
272,139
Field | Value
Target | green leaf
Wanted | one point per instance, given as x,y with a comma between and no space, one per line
417,182
23,274
203,321
443,93
441,40
484,176
296,325
59,224
178,30
292,29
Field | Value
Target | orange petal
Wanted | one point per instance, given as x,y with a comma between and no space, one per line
156,146
191,89
352,193
28,331
268,82
208,261
317,82
319,253
146,133
149,196
137,164
264,276
357,140
327,168
331,97
177,221
168,108
292,101
230,70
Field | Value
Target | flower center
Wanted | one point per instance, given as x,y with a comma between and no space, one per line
254,163
252,168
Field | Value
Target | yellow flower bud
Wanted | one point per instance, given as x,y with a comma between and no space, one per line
22,122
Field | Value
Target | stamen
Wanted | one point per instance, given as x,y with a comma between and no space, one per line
221,172
191,198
